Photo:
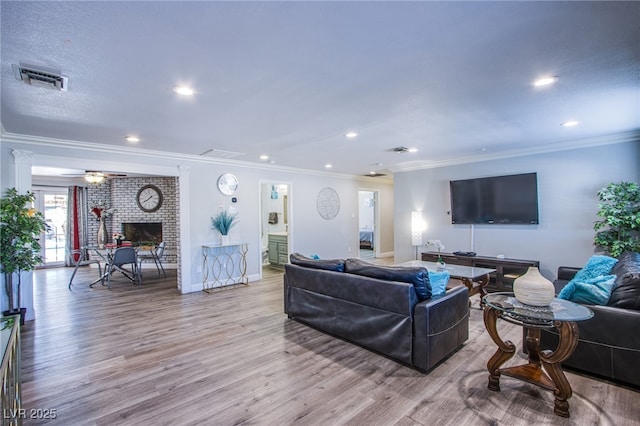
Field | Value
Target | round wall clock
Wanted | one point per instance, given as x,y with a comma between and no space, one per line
328,203
227,184
149,198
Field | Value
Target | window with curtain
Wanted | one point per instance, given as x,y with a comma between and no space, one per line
77,218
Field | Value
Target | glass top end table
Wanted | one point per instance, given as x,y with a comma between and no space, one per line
557,310
544,367
474,278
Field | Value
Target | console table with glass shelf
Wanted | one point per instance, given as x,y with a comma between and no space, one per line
544,367
224,265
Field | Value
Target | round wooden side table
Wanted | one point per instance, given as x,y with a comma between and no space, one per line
543,368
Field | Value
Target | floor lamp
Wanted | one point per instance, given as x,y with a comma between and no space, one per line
417,226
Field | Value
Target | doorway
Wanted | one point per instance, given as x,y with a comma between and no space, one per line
367,231
275,235
52,202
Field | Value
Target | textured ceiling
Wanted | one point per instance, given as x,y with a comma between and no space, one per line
289,79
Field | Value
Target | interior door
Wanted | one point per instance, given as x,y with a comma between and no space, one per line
274,223
367,224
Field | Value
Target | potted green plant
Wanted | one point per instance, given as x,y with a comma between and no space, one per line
222,223
20,229
619,208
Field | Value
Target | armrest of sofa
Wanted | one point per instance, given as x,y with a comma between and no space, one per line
438,313
440,326
565,274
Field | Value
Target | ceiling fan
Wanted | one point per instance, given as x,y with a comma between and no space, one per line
96,176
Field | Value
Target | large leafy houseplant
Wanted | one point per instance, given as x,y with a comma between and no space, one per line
619,229
20,229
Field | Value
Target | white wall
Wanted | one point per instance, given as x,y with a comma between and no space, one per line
200,199
567,185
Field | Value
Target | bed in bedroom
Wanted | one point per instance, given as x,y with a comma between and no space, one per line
366,239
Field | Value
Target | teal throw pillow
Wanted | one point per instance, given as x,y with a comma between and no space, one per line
592,291
439,281
597,266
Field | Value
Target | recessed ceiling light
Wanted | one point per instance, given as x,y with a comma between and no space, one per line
413,150
570,123
183,90
264,157
132,139
545,81
328,166
351,135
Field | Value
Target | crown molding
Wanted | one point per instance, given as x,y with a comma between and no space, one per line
542,149
98,148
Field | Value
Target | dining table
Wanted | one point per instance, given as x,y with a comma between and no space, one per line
105,253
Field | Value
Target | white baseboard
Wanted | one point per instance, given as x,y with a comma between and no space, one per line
387,254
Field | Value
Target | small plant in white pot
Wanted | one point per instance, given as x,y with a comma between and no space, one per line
222,223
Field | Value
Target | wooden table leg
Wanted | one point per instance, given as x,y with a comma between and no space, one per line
477,287
544,367
505,351
551,360
483,282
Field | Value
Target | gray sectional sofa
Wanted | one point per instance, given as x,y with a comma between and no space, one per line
388,310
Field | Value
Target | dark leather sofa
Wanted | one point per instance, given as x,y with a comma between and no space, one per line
377,307
609,343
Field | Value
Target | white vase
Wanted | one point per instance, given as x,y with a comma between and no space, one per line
102,233
224,240
533,289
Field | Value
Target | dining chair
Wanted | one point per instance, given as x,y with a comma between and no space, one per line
155,255
121,257
80,257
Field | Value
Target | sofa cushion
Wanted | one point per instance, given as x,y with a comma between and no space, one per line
418,276
336,265
592,291
626,288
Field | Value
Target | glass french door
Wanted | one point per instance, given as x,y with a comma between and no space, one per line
53,204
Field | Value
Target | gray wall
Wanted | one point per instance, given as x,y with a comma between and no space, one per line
567,185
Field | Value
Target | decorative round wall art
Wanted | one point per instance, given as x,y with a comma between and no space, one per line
328,203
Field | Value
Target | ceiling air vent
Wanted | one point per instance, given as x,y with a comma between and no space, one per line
375,174
40,77
220,153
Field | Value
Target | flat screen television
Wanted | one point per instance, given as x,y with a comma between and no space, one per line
505,200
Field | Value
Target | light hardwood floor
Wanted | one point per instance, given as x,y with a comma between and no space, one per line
150,356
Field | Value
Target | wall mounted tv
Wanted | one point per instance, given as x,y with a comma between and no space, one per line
503,200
